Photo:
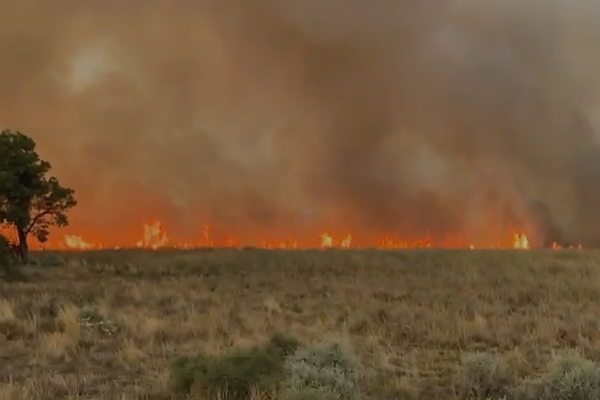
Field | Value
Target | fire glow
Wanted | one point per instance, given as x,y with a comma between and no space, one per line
154,236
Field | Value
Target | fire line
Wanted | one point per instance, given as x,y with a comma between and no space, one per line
155,237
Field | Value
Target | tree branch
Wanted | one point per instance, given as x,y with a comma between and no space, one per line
35,220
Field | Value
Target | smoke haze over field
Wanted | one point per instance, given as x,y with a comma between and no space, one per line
260,115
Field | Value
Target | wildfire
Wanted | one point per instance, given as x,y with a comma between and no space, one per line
556,246
154,236
328,241
520,241
77,242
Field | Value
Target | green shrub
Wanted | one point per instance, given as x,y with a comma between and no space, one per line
486,376
235,374
326,371
570,377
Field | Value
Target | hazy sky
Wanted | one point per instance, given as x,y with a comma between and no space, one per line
457,117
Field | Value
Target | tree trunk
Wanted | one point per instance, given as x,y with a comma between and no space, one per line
23,247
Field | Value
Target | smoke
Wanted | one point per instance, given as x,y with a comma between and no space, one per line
457,117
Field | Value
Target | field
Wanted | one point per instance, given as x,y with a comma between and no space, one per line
112,324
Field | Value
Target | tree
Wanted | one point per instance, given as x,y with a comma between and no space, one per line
30,200
5,255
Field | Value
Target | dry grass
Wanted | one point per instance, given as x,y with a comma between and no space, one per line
109,325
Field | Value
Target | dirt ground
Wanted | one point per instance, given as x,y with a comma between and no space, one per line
110,324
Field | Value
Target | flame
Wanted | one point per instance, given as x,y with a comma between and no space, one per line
556,246
77,242
154,236
520,241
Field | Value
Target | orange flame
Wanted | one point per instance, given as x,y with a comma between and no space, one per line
77,242
520,241
155,237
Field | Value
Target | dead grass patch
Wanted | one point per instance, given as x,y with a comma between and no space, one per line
110,325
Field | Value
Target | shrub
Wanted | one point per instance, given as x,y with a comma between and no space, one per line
570,377
235,374
287,345
486,376
326,371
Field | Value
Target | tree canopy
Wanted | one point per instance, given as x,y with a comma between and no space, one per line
31,201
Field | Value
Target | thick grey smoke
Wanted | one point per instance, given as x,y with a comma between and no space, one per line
457,117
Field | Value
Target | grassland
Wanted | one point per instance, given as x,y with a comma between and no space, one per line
111,324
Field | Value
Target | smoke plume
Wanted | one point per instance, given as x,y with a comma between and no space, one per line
457,117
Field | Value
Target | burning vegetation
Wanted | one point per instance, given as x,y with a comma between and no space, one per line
155,237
